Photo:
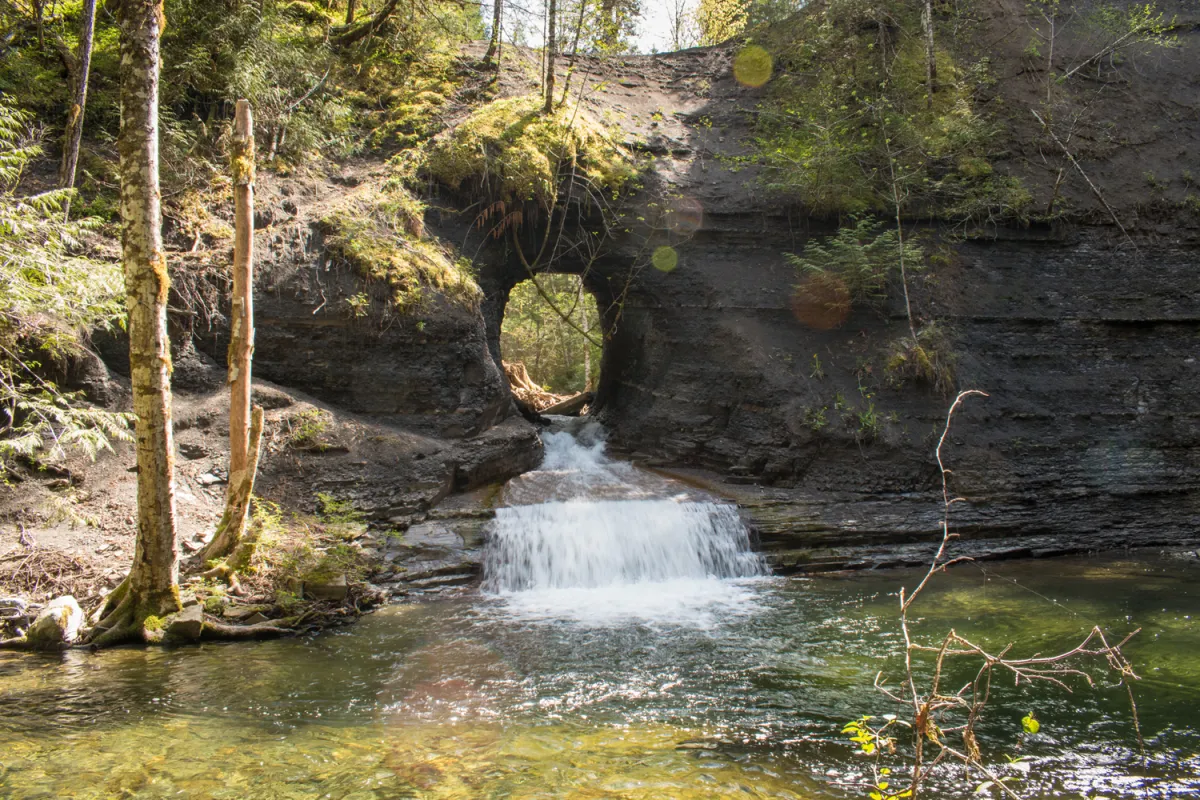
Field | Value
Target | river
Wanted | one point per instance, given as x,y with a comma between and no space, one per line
626,643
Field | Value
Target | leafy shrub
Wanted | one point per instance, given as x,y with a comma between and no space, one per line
50,296
848,125
857,262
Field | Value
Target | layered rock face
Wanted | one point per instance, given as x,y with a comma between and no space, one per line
1086,341
428,371
1091,432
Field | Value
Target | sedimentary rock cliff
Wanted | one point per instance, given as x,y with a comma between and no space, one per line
1086,337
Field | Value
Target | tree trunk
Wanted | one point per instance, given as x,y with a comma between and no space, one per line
493,50
608,24
583,6
930,55
351,7
151,589
243,449
587,345
38,6
552,12
70,159
346,35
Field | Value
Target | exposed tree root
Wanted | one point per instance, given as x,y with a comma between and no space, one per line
125,616
218,631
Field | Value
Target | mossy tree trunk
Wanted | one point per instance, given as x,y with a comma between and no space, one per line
151,590
74,133
244,434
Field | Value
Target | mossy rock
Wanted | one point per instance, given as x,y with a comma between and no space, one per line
514,152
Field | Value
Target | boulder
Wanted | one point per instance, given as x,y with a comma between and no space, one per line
57,625
187,625
334,589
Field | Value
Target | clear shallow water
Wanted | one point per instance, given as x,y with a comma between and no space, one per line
459,698
624,650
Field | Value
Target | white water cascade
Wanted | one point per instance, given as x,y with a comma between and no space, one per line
594,540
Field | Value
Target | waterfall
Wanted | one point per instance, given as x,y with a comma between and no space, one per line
582,522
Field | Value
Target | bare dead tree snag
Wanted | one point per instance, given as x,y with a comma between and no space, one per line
935,716
74,133
245,426
1079,168
151,588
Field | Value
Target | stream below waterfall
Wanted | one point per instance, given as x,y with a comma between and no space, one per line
626,643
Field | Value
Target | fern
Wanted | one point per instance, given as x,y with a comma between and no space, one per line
50,295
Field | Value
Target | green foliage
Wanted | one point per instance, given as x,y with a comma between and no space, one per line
818,371
337,512
814,418
866,737
848,125
380,233
869,423
929,359
1029,724
859,259
50,295
308,429
552,350
509,151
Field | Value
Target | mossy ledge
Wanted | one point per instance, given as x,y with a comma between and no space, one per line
509,150
380,232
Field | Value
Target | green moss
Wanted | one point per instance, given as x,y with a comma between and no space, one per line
512,152
930,359
153,623
381,233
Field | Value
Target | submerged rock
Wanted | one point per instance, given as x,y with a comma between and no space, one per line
57,625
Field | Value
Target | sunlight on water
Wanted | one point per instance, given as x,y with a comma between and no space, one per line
615,547
461,698
632,653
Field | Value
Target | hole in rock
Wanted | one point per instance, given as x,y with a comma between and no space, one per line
551,340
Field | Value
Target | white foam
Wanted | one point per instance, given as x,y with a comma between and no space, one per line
614,544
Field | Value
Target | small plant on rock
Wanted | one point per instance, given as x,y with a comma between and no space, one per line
929,358
859,258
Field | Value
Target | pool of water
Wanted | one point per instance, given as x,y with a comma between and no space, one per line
742,693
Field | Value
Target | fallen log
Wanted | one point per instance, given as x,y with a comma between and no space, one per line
571,406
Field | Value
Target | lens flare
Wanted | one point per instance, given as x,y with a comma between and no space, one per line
821,301
752,66
685,216
665,258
